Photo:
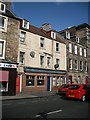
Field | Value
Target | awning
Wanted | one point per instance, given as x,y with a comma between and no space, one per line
4,75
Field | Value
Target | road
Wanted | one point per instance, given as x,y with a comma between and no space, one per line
54,106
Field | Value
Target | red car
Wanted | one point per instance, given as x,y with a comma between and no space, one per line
79,91
63,89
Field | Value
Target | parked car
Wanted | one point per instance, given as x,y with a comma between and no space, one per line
79,91
63,89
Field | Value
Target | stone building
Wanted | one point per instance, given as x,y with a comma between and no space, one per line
78,55
41,58
9,35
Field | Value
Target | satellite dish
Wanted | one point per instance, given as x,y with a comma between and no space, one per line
32,54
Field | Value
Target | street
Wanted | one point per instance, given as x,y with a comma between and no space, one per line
55,107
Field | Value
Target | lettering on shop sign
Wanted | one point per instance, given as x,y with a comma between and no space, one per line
5,65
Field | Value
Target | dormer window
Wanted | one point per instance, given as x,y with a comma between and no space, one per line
67,35
77,39
25,24
2,7
53,35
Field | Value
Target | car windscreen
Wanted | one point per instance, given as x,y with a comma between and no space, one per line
74,87
86,87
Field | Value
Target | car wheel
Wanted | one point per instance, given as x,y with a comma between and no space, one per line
83,98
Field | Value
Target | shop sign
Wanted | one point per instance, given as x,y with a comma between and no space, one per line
49,72
6,65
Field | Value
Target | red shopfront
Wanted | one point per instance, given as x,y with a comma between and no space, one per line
8,74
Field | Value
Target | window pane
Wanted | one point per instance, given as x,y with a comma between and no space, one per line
22,57
70,47
3,86
81,65
70,63
30,80
81,51
84,52
48,61
41,42
1,48
22,36
57,46
2,7
41,60
76,64
57,61
75,49
1,21
40,80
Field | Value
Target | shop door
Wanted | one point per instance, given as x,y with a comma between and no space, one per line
18,84
48,83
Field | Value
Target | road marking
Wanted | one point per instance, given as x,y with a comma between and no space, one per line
54,112
49,113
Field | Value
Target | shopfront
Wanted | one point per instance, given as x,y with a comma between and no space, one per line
8,76
36,79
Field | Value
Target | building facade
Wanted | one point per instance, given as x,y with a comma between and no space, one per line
78,47
41,58
9,26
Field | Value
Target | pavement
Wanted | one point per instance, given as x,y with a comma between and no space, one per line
28,95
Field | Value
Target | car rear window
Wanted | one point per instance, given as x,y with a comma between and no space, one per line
64,86
74,87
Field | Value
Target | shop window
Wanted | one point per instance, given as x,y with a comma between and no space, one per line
58,81
3,86
40,80
30,80
54,81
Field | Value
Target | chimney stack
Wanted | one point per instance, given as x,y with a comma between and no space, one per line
46,27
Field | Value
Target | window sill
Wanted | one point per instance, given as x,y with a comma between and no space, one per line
29,86
40,85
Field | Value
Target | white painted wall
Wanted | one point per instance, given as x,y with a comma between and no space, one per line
33,44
